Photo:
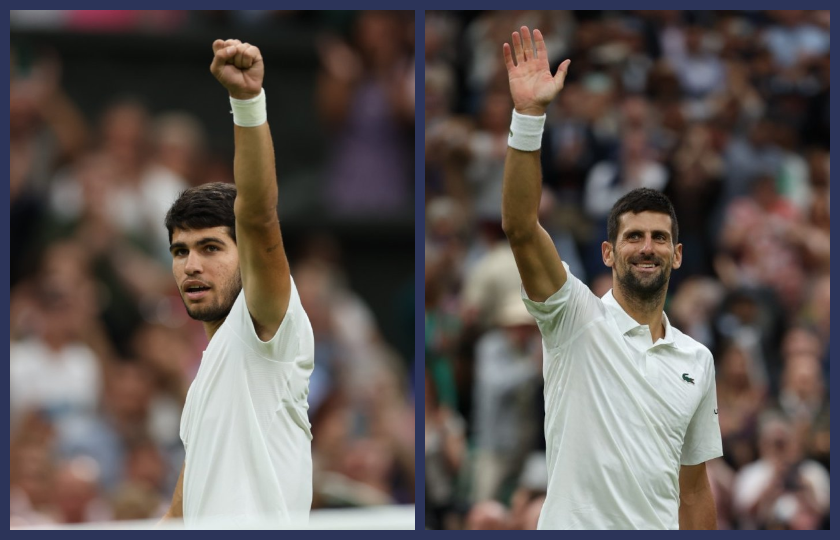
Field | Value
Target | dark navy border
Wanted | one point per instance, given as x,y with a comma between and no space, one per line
419,220
6,239
832,384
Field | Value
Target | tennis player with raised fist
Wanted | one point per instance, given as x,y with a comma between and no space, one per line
244,426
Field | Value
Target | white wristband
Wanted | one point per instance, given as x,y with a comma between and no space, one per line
526,132
249,112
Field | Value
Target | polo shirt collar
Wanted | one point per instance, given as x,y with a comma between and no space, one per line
627,323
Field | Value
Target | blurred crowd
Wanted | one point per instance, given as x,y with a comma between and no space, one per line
102,351
725,112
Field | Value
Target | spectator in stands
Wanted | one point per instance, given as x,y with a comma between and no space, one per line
445,450
508,366
364,99
782,490
742,395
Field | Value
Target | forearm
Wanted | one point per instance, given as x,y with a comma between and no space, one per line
172,513
255,174
697,511
521,192
176,509
168,516
537,259
532,87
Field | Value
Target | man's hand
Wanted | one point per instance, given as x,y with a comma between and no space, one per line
531,84
239,67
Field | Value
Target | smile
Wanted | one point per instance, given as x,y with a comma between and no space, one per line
646,267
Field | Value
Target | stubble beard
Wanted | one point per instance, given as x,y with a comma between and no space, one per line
644,290
221,308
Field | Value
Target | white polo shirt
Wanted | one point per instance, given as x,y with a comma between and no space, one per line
622,413
245,426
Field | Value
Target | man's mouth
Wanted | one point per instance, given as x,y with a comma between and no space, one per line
646,266
196,292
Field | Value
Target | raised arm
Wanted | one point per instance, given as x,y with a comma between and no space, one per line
532,87
262,259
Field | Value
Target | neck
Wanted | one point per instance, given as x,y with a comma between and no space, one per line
644,311
211,327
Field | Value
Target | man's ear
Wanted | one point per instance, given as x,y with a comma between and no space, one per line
607,253
677,256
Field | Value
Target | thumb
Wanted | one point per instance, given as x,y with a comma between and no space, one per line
560,76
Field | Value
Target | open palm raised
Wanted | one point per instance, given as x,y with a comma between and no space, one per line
532,86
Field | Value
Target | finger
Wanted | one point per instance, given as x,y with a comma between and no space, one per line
248,56
232,42
508,57
219,60
251,56
539,41
239,59
227,52
517,48
527,45
218,45
562,71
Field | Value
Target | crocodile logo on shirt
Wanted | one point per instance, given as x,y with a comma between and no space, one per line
687,379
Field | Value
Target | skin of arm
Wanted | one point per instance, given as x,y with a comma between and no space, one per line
262,260
697,506
176,509
532,88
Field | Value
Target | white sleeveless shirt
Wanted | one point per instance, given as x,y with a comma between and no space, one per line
245,426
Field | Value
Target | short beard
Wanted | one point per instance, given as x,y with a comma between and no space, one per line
222,307
644,292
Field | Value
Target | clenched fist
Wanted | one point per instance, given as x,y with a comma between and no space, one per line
239,67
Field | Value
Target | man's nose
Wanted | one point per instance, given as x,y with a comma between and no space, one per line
647,245
193,265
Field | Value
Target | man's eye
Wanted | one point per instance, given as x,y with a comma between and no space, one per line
180,252
212,248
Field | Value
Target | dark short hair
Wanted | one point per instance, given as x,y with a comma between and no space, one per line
638,201
203,207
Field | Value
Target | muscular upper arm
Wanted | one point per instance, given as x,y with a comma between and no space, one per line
540,268
265,271
539,263
262,260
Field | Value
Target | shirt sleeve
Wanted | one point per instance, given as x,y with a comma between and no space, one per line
702,439
293,339
566,312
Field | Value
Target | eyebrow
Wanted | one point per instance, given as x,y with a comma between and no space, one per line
204,241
